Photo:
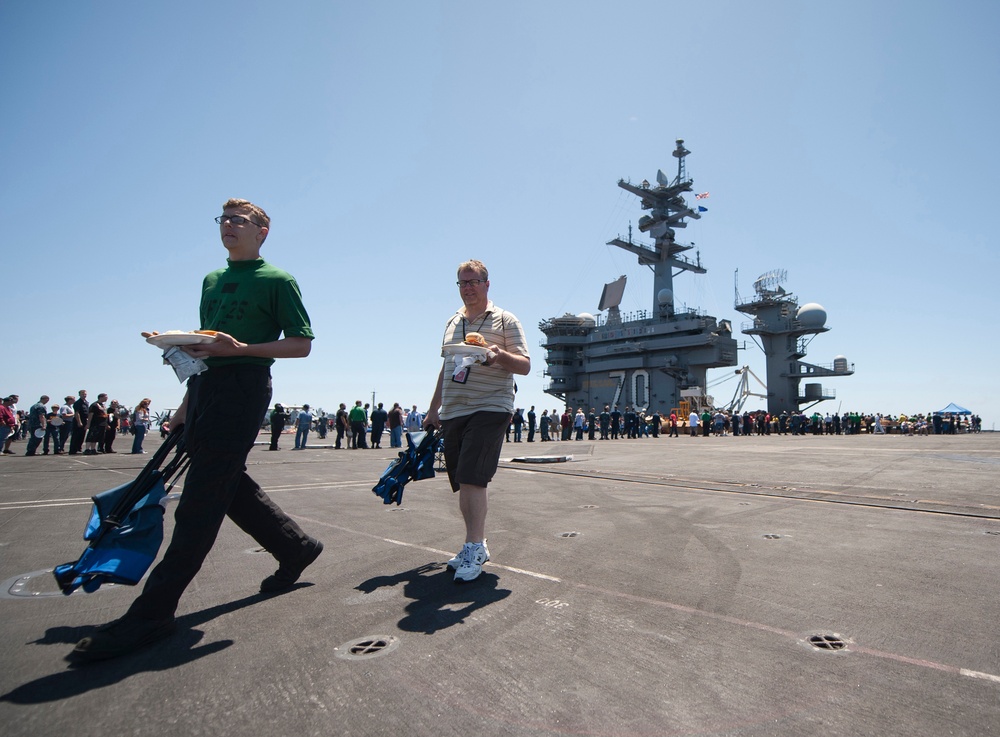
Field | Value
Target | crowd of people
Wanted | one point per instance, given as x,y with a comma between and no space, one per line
613,424
90,428
353,427
717,422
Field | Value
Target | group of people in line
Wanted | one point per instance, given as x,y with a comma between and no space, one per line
723,423
555,426
89,427
613,424
353,427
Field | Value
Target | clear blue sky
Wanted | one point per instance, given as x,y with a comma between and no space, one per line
852,144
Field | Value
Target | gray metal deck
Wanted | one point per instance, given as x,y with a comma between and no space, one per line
648,587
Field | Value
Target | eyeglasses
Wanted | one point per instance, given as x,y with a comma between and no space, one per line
470,282
235,220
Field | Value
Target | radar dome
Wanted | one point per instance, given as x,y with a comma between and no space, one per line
811,315
664,296
587,318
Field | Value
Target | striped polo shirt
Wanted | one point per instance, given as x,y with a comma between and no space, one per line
488,388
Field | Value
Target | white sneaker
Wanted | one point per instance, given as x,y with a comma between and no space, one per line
473,556
455,562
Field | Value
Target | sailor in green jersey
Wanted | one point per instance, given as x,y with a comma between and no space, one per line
258,312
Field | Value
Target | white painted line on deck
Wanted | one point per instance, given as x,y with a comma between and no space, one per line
977,674
318,485
43,505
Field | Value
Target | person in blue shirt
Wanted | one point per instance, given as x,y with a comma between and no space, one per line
303,423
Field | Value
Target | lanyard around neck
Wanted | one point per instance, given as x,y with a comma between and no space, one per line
479,329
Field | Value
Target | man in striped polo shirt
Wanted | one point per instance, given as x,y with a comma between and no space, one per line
472,405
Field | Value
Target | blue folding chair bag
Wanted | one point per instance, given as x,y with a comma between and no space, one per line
124,553
413,464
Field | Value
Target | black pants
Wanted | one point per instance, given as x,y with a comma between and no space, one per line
64,432
358,435
275,435
109,439
225,408
76,440
33,443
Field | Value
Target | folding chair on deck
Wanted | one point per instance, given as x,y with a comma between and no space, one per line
125,529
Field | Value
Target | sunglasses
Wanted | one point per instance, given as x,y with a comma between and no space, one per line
235,220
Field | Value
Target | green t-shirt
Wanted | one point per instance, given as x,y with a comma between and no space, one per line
254,302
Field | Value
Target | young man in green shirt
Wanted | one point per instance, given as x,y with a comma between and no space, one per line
258,312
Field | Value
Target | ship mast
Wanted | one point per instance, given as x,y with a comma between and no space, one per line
667,211
656,362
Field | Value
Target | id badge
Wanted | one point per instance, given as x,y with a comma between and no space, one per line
461,375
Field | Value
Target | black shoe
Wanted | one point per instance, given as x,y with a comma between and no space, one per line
288,573
120,638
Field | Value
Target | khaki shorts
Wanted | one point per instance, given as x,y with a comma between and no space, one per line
472,446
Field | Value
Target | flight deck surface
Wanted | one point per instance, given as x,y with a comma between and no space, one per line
831,585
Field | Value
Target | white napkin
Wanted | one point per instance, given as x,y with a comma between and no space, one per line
184,366
470,360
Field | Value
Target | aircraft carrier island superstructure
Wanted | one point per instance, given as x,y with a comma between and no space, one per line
653,361
783,331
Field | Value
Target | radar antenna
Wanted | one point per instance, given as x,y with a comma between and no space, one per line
680,152
768,282
668,211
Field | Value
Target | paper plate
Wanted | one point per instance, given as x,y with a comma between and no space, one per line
461,349
166,340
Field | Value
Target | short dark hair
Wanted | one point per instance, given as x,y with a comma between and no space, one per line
259,217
